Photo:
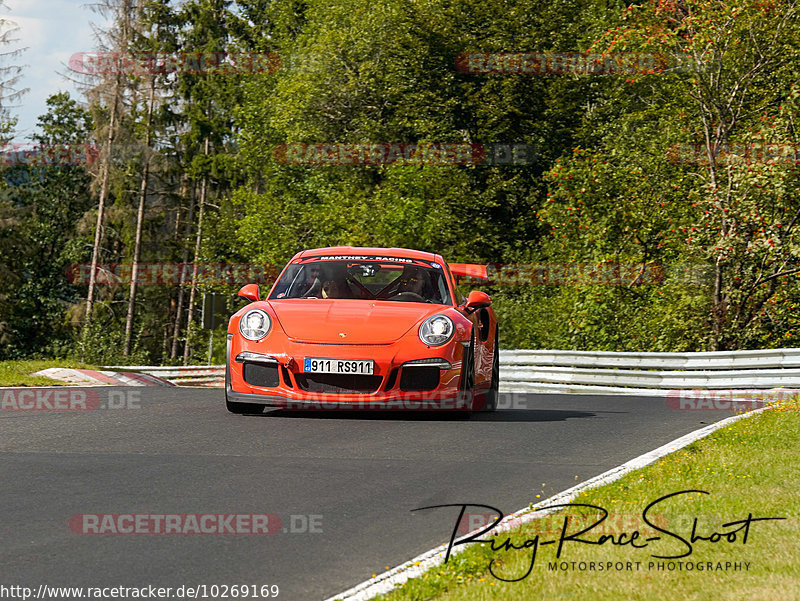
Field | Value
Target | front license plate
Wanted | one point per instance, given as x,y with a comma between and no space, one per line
338,366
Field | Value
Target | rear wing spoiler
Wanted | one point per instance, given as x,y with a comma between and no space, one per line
469,270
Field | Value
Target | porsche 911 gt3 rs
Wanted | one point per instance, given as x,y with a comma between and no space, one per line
364,328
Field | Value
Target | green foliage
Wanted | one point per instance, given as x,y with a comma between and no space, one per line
47,207
648,193
660,171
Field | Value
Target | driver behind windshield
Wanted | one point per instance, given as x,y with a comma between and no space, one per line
414,281
335,284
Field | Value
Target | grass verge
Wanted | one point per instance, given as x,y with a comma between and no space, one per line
750,466
18,373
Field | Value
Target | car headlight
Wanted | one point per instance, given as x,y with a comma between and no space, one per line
255,324
436,330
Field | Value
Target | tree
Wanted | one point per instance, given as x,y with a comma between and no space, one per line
360,73
51,202
10,212
679,173
155,23
9,75
118,39
208,99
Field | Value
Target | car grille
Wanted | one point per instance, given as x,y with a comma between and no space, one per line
257,374
338,383
419,378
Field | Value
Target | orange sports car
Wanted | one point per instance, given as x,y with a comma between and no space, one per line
364,328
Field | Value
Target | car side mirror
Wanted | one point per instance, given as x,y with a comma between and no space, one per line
250,292
478,300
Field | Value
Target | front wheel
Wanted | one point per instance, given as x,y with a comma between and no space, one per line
494,386
467,392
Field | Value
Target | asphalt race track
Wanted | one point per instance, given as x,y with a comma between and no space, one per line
353,478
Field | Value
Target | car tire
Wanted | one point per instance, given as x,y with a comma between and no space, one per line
468,377
494,386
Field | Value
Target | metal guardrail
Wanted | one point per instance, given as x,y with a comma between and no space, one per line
772,358
637,373
594,371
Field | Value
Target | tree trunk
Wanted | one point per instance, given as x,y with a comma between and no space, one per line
181,287
137,246
104,175
198,240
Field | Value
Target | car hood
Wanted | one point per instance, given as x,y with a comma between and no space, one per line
344,321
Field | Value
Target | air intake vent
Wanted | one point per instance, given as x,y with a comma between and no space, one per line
419,378
338,383
258,374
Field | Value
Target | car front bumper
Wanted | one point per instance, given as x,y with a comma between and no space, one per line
273,376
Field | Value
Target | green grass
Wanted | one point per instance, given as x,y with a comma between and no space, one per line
18,373
752,465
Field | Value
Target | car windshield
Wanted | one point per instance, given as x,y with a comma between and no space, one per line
379,278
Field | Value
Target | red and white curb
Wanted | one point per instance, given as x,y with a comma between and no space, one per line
91,377
383,583
187,375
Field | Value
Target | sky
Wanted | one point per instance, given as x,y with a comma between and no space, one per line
51,31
